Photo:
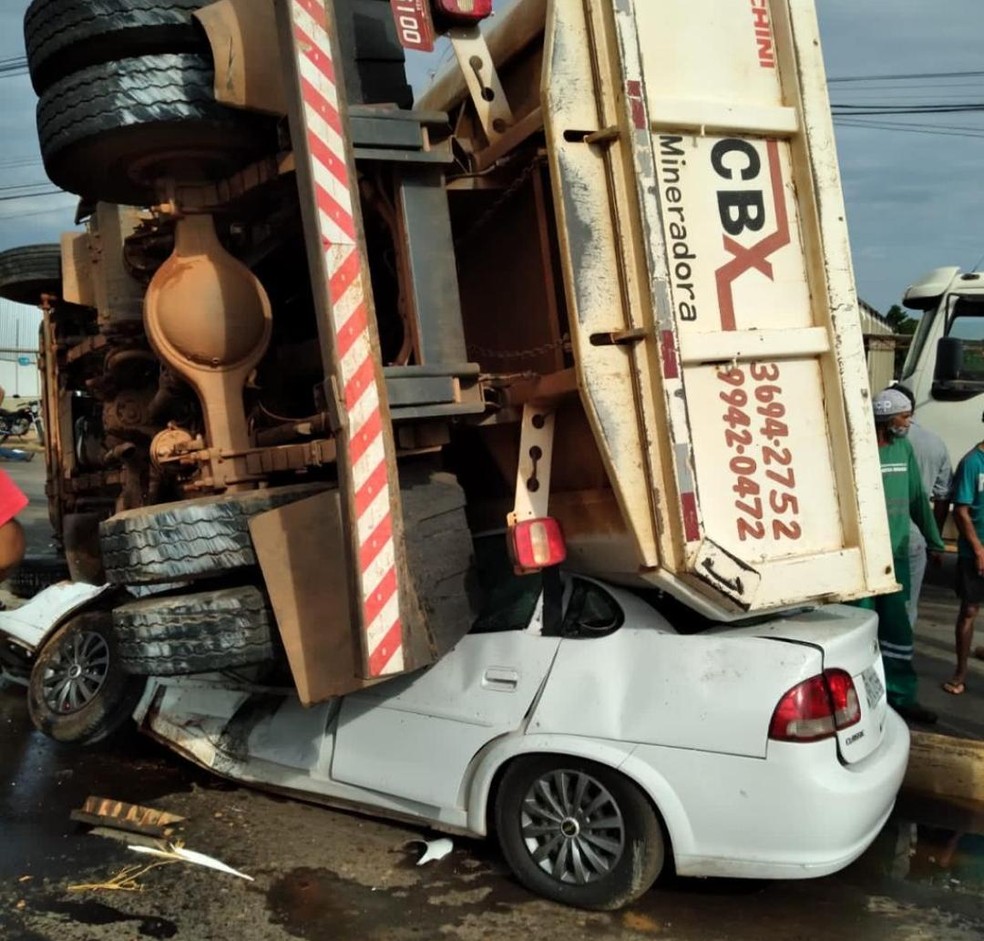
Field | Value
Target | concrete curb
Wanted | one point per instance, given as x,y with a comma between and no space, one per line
946,766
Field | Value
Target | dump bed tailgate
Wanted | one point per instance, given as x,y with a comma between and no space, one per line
709,280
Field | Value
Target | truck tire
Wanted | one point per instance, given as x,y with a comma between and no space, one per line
78,691
64,36
213,630
439,550
190,539
30,271
109,131
36,573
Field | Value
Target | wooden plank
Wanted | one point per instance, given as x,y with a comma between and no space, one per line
946,766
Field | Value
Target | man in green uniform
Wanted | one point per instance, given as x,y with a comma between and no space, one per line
905,499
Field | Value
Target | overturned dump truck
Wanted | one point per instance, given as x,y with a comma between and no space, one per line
331,378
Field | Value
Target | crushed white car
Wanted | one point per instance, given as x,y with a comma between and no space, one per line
595,740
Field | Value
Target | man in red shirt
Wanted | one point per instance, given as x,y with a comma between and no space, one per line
12,544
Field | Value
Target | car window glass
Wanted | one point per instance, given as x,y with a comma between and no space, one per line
591,612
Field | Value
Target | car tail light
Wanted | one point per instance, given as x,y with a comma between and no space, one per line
536,544
461,12
843,695
816,708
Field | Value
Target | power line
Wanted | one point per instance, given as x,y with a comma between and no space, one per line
38,212
13,66
862,122
860,110
905,76
908,128
32,195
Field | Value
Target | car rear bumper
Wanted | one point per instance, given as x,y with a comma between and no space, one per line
797,814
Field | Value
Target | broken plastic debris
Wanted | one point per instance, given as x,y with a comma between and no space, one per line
105,811
434,849
175,852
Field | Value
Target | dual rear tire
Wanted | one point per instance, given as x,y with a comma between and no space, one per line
126,92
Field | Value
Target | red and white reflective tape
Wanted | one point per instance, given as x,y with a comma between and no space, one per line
349,316
636,110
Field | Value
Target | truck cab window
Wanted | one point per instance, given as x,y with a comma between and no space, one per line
926,319
967,325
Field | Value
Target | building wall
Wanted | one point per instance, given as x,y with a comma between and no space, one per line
19,325
880,354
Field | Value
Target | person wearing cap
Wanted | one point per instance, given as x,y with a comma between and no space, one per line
936,472
12,543
905,500
968,512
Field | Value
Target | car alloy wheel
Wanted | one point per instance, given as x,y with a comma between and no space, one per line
77,692
572,826
577,831
76,673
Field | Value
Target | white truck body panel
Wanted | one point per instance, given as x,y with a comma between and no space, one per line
709,284
956,418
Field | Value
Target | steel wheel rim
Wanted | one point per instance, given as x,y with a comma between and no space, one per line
572,827
75,673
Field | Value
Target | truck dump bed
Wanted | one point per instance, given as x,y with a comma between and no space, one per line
709,300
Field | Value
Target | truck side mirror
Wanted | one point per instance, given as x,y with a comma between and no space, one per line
949,360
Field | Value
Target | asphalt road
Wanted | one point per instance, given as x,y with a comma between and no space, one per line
320,874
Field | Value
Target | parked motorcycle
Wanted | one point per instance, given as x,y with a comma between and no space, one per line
18,422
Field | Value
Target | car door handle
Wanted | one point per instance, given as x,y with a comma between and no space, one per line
501,678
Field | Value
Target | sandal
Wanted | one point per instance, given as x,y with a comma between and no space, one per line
954,688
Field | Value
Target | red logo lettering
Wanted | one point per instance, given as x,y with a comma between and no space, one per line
746,258
763,34
414,25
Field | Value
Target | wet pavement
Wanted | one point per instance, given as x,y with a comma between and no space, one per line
322,874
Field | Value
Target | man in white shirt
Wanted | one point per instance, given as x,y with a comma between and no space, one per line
936,471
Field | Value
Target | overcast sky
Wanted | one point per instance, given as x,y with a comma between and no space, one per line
914,200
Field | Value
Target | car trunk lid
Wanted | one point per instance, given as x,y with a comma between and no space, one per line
847,638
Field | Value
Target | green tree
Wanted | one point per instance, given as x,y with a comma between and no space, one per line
900,321
901,324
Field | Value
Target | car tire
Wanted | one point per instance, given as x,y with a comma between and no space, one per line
174,542
30,271
617,864
34,574
78,692
64,36
199,633
109,131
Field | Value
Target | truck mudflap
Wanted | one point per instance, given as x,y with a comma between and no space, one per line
709,281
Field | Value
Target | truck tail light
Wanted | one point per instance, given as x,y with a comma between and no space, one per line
816,709
462,12
536,544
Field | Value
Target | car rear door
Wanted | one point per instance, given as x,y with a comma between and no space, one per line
413,737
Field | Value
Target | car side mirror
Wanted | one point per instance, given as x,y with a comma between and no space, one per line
949,360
